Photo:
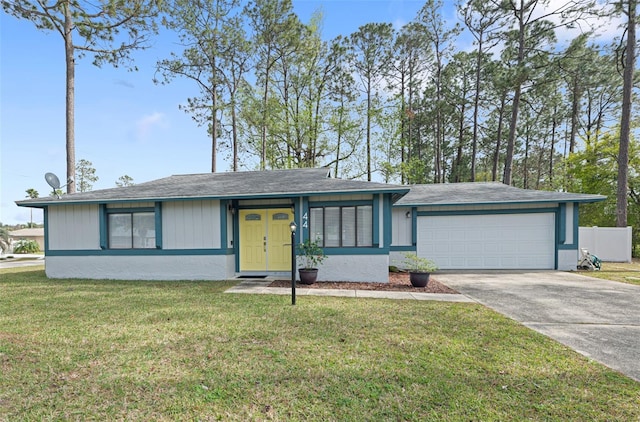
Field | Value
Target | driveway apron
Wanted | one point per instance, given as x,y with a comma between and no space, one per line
598,318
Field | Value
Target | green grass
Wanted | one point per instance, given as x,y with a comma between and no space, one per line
142,350
618,271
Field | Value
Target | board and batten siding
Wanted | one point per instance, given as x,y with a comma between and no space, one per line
402,227
191,224
73,227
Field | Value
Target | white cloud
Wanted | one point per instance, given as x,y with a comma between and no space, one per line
606,28
147,124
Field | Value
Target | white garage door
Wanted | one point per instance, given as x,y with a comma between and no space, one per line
495,241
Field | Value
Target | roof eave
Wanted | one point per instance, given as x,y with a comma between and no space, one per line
35,204
597,198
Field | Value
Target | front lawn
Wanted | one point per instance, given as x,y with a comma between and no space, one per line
142,350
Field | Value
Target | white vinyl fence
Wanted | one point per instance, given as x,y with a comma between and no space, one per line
611,244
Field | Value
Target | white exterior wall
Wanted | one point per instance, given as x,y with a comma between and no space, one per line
396,258
374,268
567,259
568,236
165,267
73,227
401,227
191,225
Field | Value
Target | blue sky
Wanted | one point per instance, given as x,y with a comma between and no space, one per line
125,124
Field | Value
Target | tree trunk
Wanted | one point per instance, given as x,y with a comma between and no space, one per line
476,107
214,129
403,120
369,129
511,140
520,77
70,100
625,120
575,109
438,147
234,134
552,148
457,169
496,154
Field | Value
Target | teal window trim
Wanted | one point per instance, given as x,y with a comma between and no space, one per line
296,213
45,211
561,215
414,226
341,205
376,221
355,251
103,226
386,219
224,205
158,224
304,233
403,248
236,234
576,224
142,252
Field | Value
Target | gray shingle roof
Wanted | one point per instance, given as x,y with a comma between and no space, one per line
477,193
251,184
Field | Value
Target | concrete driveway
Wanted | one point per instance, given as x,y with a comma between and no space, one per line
598,318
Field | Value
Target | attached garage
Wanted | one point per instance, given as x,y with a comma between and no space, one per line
488,241
488,226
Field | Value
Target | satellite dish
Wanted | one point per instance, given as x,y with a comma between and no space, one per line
52,180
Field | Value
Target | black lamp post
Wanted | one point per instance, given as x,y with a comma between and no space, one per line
293,227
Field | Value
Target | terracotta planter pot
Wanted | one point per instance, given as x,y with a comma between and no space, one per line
308,275
419,279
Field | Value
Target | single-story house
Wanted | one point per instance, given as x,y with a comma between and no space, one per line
217,226
36,234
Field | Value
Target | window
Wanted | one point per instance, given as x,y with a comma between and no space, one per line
348,226
131,230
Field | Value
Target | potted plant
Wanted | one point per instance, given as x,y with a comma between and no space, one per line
311,255
419,269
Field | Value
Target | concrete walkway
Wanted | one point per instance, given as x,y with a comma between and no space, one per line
20,260
598,318
262,287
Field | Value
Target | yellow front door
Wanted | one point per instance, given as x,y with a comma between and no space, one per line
253,240
265,240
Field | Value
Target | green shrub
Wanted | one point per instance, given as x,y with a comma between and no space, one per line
26,246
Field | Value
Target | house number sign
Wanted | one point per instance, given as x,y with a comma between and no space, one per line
305,220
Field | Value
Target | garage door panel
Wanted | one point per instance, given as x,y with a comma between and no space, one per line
492,241
474,248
